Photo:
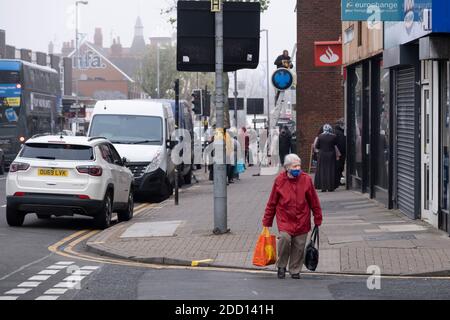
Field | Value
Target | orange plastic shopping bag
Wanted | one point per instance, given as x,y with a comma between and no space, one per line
266,250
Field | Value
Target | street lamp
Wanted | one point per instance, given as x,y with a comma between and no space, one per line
77,57
268,87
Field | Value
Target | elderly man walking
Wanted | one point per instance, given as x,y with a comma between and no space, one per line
292,199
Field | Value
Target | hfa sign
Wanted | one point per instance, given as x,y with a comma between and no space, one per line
328,53
372,10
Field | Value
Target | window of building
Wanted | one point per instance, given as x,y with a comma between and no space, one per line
382,176
357,102
445,137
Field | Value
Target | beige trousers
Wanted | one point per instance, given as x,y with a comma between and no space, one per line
292,250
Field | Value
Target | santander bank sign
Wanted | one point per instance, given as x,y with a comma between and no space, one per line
328,53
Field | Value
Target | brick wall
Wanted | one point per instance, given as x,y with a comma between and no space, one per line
319,90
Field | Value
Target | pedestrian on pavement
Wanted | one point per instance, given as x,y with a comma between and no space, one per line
342,146
325,178
284,143
292,199
284,61
210,146
229,150
246,146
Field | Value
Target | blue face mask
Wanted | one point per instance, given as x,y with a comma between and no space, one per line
295,173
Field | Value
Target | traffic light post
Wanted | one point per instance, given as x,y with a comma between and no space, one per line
220,176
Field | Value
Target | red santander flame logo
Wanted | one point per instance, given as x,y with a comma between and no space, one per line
328,54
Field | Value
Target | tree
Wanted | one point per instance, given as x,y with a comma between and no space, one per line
168,73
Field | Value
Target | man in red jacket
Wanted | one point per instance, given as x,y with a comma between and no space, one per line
292,199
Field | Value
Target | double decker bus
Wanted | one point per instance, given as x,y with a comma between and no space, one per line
29,94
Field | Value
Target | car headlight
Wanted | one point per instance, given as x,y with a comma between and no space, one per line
156,162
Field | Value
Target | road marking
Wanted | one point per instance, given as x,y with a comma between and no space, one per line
25,266
49,272
66,285
4,206
90,268
55,267
18,291
47,298
56,291
82,272
39,278
30,284
8,298
74,278
195,263
64,263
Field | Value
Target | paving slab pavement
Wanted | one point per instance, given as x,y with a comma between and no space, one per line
357,232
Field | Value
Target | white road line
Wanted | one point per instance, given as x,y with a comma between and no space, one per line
57,267
39,278
47,298
29,284
25,266
18,291
82,273
67,285
51,272
90,268
4,206
56,291
65,263
74,278
8,298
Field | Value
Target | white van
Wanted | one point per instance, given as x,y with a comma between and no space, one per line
140,130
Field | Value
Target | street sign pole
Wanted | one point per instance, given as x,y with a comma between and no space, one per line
220,183
235,99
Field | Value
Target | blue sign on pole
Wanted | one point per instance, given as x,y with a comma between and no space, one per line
372,10
282,79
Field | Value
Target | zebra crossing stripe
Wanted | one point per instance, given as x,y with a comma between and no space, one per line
29,284
4,298
47,298
18,291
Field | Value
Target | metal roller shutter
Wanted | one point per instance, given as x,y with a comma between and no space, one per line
406,128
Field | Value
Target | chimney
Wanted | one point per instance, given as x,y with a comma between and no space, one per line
10,52
98,38
51,48
2,44
116,48
41,58
54,62
25,55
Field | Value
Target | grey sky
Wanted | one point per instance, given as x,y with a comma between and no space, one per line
34,23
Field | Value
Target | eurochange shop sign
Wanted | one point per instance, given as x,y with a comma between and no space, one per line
372,10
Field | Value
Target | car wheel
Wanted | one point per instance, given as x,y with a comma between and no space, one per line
14,217
103,218
127,215
43,217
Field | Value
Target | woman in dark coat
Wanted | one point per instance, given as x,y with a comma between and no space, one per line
325,178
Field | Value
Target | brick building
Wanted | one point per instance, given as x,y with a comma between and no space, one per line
319,90
108,72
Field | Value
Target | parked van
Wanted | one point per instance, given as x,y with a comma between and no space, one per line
185,121
140,130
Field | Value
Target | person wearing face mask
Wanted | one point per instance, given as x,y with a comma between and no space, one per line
292,200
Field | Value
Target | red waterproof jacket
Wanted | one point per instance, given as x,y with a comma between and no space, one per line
292,200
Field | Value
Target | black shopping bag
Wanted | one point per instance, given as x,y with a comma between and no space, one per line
312,252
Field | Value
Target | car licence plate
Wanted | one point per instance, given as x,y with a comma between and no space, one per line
53,172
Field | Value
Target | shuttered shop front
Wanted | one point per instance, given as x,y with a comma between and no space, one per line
408,174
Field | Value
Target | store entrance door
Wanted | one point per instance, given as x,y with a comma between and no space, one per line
427,145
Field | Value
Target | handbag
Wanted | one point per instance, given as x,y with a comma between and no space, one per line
265,251
312,253
240,167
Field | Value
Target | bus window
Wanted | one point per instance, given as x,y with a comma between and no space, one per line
9,77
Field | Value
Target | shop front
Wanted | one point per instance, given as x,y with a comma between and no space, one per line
417,55
369,126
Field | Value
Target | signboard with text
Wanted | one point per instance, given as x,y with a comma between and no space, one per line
328,53
372,10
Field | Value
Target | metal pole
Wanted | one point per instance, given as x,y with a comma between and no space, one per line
220,176
77,65
157,63
177,108
235,99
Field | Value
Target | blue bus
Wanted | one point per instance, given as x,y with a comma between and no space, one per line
29,96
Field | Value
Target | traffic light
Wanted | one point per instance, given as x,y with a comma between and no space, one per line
197,101
206,103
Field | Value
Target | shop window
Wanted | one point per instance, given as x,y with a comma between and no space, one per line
445,138
357,102
382,176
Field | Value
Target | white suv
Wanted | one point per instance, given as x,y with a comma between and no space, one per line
68,175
